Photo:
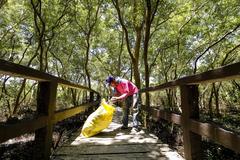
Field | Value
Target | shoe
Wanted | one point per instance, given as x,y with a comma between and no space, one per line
124,127
137,129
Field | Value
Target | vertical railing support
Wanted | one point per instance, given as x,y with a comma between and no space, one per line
147,103
46,104
91,96
98,97
190,108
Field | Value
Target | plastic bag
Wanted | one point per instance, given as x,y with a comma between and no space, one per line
98,120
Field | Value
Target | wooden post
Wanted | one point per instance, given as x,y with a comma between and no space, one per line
46,104
98,97
91,97
190,108
147,103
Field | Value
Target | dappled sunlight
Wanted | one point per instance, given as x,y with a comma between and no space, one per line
114,143
162,151
114,135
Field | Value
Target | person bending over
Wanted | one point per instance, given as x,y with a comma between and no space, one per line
125,91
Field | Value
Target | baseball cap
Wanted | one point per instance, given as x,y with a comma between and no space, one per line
109,79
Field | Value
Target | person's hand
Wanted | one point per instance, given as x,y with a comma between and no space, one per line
114,99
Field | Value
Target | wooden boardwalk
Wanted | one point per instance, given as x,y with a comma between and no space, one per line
116,144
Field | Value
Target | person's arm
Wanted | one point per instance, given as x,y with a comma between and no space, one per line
117,98
123,92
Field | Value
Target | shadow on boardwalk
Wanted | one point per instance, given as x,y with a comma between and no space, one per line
116,144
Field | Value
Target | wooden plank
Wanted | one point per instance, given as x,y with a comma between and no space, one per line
132,151
61,115
228,72
104,149
189,104
218,134
8,131
21,71
113,135
166,115
17,70
166,85
46,104
114,143
226,138
224,73
109,141
118,156
73,85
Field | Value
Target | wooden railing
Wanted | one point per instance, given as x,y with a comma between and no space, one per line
42,125
193,129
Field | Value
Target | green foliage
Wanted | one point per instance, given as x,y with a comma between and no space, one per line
186,37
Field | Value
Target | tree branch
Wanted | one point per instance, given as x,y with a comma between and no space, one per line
216,42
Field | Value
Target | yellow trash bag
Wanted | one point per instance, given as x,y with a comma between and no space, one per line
98,120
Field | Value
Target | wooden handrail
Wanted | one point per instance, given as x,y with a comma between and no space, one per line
228,72
16,70
193,129
42,125
213,132
8,131
227,138
61,115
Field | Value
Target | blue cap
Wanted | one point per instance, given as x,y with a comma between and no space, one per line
110,79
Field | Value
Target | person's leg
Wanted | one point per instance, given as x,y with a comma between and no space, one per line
125,108
136,108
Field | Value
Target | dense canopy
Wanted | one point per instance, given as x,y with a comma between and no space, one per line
147,41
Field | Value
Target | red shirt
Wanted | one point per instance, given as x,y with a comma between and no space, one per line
125,86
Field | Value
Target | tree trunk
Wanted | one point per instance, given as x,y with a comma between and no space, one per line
120,55
216,94
87,60
148,13
135,60
4,91
134,55
210,111
17,102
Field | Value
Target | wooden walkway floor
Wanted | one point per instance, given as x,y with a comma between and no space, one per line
116,144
